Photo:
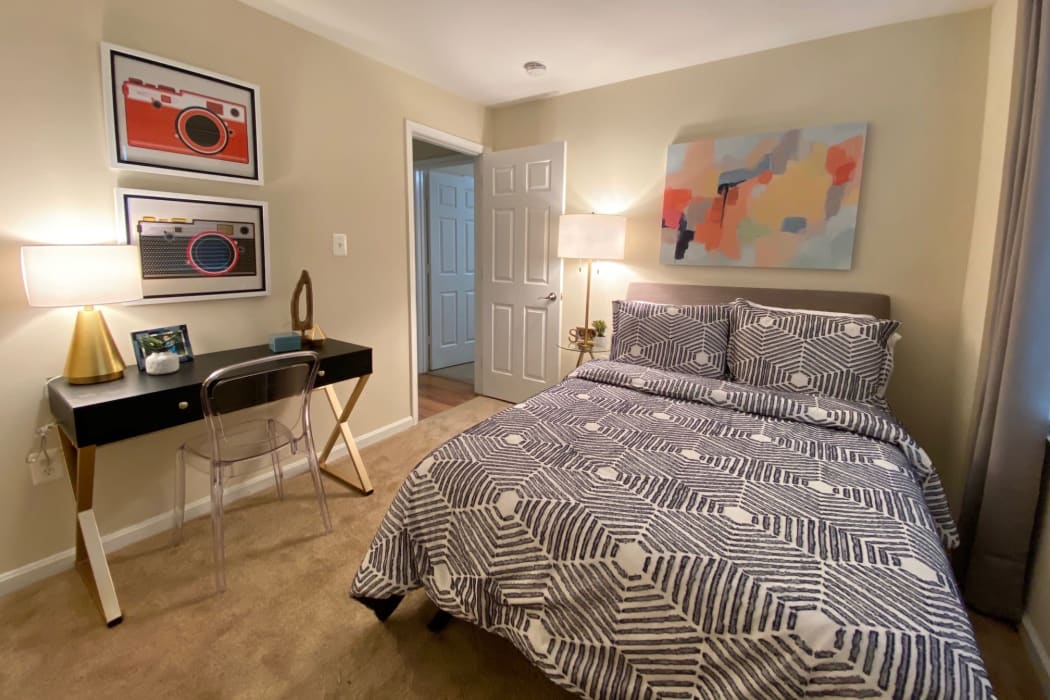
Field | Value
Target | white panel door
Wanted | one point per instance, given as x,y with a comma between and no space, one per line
521,195
451,263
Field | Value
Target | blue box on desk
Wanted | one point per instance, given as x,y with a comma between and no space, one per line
285,342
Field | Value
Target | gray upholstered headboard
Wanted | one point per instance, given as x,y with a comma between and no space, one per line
877,305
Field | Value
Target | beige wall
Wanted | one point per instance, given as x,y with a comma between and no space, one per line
921,87
333,127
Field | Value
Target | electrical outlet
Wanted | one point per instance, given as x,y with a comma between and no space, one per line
339,244
43,470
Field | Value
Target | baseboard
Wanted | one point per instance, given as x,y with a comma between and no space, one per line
32,572
1036,653
380,434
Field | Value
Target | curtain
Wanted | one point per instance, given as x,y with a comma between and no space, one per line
1013,394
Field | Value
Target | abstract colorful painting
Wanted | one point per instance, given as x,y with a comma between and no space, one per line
786,199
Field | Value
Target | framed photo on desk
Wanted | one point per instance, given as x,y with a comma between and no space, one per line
173,339
195,247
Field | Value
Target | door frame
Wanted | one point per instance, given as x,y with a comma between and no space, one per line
422,132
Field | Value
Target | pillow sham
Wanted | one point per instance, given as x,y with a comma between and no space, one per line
677,338
845,356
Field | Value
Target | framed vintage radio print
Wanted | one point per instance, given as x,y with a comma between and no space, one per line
195,247
175,119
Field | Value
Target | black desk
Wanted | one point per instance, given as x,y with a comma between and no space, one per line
98,414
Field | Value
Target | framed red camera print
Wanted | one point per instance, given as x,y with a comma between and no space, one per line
170,118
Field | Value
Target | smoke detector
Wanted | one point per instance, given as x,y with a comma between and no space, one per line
535,69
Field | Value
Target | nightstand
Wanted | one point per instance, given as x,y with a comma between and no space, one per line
582,350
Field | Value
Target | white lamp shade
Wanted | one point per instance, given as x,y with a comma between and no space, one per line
81,275
591,236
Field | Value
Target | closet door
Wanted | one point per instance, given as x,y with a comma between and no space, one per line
451,268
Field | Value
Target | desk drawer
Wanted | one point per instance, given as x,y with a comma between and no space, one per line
343,368
118,420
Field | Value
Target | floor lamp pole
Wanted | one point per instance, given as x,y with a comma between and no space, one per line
587,309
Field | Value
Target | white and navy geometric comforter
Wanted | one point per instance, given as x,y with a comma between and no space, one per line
638,534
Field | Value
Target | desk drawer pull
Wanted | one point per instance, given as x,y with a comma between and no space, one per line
320,373
183,405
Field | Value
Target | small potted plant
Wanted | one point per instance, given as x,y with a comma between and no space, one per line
600,341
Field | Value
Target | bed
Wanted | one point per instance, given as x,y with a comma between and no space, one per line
641,533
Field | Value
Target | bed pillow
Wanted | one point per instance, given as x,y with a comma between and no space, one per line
687,339
845,356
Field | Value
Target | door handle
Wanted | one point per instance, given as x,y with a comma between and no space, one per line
552,296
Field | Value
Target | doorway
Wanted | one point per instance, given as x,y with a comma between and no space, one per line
518,275
443,194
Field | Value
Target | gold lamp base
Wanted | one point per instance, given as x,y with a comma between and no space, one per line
93,356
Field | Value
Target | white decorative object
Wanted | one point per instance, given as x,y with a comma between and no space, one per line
162,363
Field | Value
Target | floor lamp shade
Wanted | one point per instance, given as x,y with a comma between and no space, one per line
84,275
592,236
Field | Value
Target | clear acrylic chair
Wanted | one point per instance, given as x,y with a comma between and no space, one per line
230,444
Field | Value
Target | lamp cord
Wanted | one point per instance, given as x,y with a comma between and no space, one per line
41,431
587,306
41,450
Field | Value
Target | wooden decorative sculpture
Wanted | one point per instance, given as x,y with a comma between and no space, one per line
312,335
304,283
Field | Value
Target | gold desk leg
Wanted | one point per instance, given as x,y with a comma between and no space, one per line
90,557
342,415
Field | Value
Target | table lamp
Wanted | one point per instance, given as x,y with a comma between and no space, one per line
591,237
84,275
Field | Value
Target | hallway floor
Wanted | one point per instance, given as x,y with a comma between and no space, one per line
461,373
445,388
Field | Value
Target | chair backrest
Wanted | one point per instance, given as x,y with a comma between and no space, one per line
260,381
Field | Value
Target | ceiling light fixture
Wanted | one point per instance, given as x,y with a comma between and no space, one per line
535,68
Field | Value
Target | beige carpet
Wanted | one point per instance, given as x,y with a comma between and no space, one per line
285,628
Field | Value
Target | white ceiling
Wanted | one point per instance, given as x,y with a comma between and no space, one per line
476,48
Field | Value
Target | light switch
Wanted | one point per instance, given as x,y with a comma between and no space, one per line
339,244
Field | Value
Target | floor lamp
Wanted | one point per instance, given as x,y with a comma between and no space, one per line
591,237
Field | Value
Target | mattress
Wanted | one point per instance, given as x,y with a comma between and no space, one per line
638,533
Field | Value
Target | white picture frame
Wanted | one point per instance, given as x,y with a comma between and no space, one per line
171,118
196,247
